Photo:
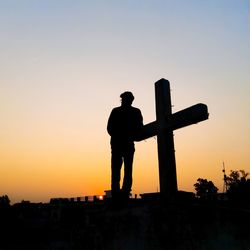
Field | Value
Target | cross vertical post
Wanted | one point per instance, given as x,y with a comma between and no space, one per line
163,128
165,140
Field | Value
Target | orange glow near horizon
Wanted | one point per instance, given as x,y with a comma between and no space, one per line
70,163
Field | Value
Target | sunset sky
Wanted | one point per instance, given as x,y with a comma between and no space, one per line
64,63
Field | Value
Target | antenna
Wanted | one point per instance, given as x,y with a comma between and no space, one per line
224,178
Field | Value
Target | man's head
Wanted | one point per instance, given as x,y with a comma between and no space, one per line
127,98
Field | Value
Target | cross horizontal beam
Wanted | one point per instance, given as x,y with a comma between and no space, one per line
180,119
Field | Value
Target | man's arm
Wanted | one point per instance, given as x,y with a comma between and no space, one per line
140,119
138,125
109,125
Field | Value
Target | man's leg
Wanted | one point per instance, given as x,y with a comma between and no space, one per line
116,164
128,168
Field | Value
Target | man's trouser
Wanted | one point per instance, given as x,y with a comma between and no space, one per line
118,158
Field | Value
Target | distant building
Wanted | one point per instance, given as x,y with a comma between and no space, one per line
108,194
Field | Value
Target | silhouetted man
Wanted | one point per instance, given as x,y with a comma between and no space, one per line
124,124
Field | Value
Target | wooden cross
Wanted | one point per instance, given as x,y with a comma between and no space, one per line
163,128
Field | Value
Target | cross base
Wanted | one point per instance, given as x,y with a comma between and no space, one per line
179,196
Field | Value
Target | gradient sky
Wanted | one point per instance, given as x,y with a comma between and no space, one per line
64,64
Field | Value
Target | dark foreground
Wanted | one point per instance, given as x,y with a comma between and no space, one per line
139,225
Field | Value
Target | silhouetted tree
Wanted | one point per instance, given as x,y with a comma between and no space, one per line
238,186
204,188
4,201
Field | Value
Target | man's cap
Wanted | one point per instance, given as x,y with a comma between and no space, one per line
127,95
